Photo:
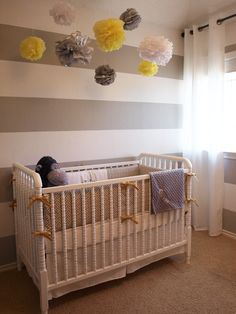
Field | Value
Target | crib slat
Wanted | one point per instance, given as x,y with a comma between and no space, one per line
182,223
102,228
149,220
135,225
84,233
54,243
33,228
164,164
64,238
163,230
170,218
94,254
74,234
157,231
119,225
29,222
128,224
142,219
111,226
176,226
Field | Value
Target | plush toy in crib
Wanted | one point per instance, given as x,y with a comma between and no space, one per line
50,172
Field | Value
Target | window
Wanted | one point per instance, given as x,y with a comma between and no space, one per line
229,126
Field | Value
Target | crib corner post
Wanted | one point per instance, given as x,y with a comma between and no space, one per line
44,292
188,245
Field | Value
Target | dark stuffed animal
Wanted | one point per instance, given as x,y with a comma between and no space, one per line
50,172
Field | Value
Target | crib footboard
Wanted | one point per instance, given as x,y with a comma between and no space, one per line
71,237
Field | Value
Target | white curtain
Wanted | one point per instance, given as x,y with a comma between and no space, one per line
203,120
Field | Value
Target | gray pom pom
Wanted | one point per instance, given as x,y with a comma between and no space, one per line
74,49
104,75
131,18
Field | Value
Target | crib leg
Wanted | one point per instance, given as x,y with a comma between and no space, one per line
188,246
43,292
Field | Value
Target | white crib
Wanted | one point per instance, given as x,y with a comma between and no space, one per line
74,236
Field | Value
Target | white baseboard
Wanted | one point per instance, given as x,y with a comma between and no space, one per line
199,229
7,267
229,234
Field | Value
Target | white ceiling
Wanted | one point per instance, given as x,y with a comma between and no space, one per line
175,14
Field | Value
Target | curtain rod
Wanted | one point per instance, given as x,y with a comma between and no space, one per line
218,22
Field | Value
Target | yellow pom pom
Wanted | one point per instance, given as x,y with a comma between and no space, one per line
109,34
148,68
32,48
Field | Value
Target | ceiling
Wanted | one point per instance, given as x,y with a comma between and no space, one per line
176,14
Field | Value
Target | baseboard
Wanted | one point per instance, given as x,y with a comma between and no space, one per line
7,267
229,234
199,229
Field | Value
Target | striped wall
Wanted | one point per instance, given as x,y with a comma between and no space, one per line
229,212
48,109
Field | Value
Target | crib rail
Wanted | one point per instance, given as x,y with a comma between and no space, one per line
164,162
102,166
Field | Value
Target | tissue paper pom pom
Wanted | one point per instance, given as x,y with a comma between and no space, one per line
148,68
109,34
104,75
156,49
63,13
73,49
131,18
32,48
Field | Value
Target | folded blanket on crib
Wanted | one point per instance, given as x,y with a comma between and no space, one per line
167,188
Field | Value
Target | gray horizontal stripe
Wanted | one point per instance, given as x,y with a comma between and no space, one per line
229,220
41,114
7,249
125,60
230,48
230,65
230,171
5,184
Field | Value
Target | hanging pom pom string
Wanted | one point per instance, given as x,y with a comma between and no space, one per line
74,49
104,75
147,68
156,49
32,48
131,19
63,13
109,34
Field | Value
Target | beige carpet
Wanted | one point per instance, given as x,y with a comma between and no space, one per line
170,286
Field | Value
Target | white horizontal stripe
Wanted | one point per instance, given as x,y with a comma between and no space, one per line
6,221
21,79
29,147
39,18
230,196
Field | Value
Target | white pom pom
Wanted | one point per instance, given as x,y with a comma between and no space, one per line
156,49
63,13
